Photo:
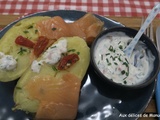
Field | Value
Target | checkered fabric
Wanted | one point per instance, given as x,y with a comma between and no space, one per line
129,8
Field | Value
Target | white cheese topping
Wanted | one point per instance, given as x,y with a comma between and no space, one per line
36,66
51,56
53,53
113,63
7,62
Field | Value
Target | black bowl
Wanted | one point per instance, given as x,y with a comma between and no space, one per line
131,33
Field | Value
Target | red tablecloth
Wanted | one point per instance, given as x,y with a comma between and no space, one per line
127,8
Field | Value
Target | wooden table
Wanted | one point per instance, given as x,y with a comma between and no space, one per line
133,22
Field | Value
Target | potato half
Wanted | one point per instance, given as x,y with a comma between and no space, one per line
22,98
25,28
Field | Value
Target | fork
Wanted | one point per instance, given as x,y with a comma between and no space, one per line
149,30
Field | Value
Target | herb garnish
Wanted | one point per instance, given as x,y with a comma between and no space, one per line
54,68
74,50
107,54
39,64
125,82
121,47
123,72
30,27
113,58
36,31
101,57
111,49
119,42
71,50
53,47
126,60
22,50
18,88
54,28
115,63
78,53
25,31
119,58
109,64
125,63
126,73
107,60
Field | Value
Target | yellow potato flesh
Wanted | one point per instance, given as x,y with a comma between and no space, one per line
21,95
27,29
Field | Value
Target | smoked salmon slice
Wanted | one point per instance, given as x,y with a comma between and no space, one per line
90,25
87,27
53,28
58,97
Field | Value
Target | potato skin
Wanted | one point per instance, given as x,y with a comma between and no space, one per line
26,28
79,69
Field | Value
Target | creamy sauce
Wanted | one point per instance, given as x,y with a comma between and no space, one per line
7,62
51,56
113,63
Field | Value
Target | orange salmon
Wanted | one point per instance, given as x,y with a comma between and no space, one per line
87,27
58,97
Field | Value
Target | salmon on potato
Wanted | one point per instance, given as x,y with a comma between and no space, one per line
52,91
30,37
15,59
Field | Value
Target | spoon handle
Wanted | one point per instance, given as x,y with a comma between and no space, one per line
128,50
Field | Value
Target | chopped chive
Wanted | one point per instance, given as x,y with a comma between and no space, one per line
119,58
121,47
126,60
71,50
125,78
123,72
127,73
111,48
109,64
53,47
107,60
101,57
36,31
115,63
125,63
18,88
107,54
54,68
119,42
125,82
112,57
78,53
54,29
21,51
115,57
30,27
25,31
64,54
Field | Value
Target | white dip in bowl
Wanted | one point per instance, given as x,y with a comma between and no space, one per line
112,62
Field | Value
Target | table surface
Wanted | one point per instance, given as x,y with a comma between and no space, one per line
128,8
133,22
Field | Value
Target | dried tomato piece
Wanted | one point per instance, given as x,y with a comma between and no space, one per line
67,61
20,40
40,46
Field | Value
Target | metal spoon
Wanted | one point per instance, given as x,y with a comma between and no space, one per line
128,50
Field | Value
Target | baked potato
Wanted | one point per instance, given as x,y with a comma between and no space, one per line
20,54
53,93
20,45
